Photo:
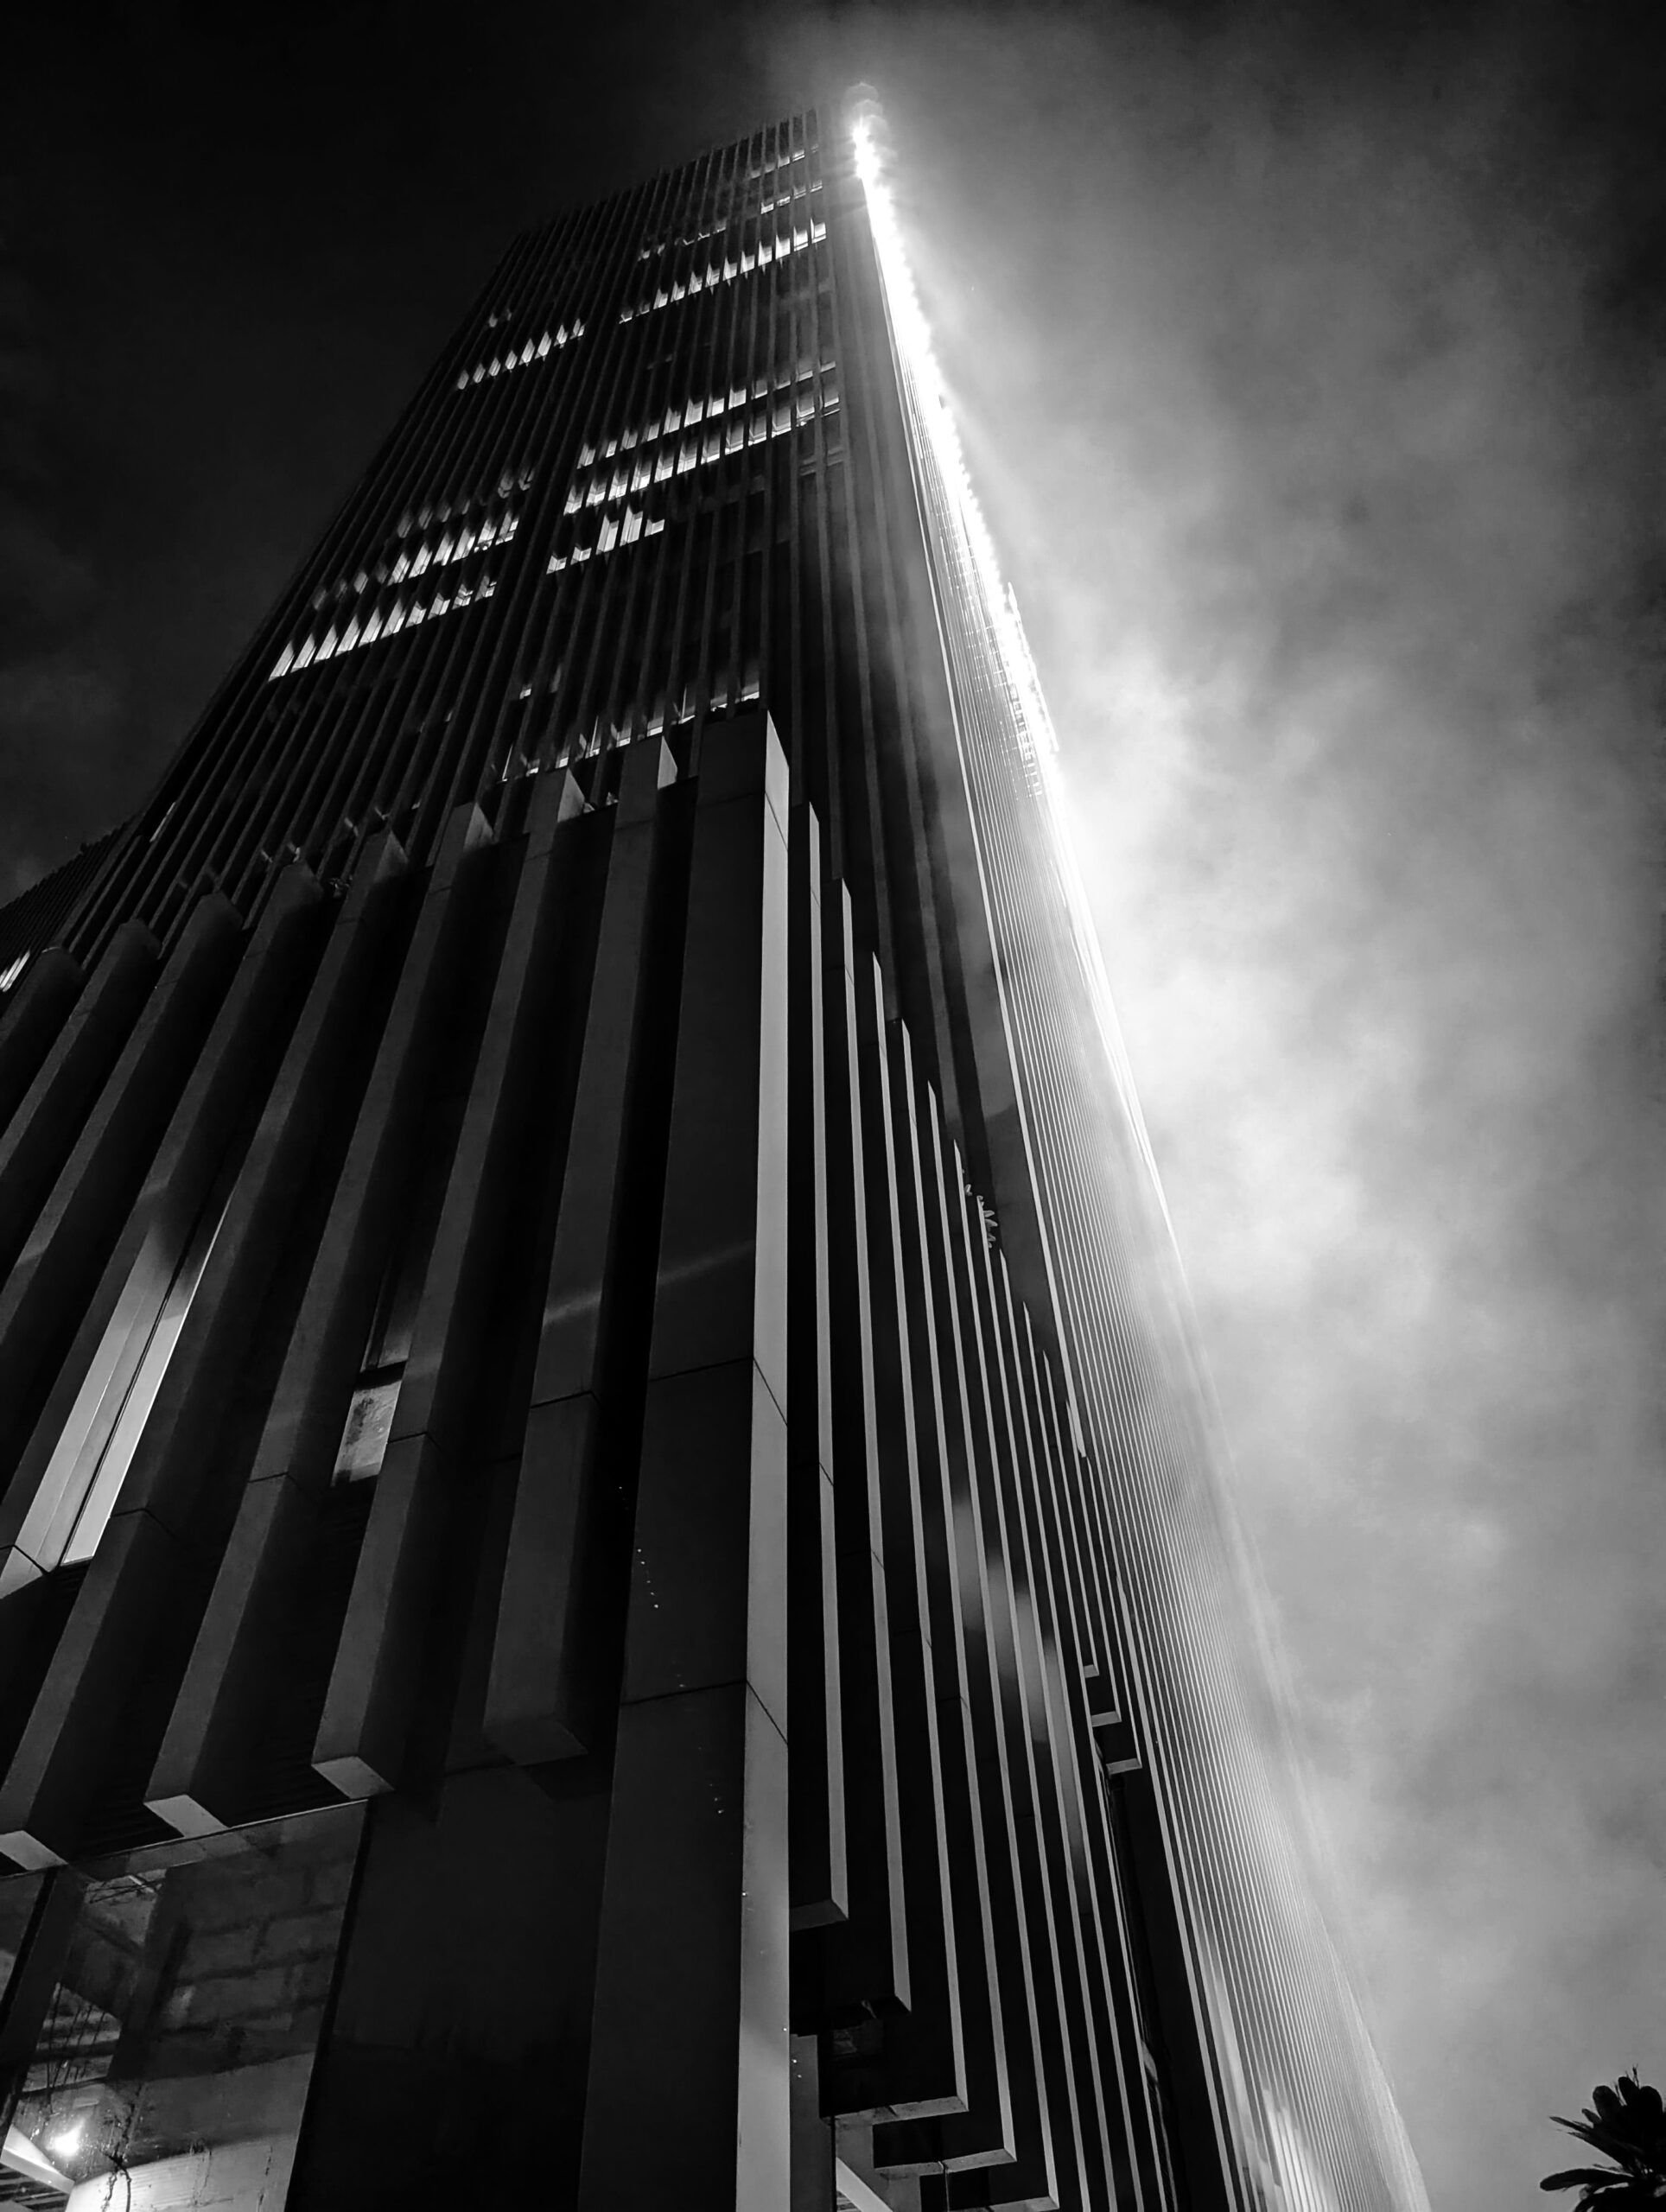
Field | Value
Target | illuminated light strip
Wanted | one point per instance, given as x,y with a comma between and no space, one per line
701,448
766,388
727,271
799,191
998,608
502,364
615,530
402,615
345,630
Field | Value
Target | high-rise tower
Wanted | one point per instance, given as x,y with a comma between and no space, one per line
614,1585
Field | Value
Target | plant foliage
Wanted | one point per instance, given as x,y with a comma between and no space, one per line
1627,2124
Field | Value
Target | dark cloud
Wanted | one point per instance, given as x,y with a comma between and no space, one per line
59,696
1309,362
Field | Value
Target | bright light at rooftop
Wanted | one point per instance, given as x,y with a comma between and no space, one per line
913,340
987,594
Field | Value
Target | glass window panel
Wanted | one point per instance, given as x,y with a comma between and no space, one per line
178,2024
369,1424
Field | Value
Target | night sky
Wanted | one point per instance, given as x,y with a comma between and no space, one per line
1309,362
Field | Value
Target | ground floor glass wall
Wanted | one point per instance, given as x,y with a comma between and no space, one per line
162,2015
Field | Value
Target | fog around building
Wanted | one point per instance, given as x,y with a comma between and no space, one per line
1304,401
1309,372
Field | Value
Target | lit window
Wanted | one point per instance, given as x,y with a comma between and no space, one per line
369,1424
376,1390
533,350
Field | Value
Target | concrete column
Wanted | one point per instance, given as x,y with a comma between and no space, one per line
365,1724
37,1139
36,1010
546,1676
692,1950
197,1782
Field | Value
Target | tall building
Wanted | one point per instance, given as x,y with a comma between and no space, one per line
615,1586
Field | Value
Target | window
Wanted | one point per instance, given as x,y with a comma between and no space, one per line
595,486
375,1396
501,364
724,267
167,2017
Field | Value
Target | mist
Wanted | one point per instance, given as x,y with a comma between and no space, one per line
1303,391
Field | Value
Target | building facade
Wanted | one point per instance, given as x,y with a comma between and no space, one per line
615,1578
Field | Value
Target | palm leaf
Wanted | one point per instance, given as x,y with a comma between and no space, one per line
1643,2098
1625,2122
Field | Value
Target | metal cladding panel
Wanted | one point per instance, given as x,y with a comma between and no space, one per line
581,1281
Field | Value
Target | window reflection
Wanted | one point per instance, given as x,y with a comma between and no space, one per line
163,2016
